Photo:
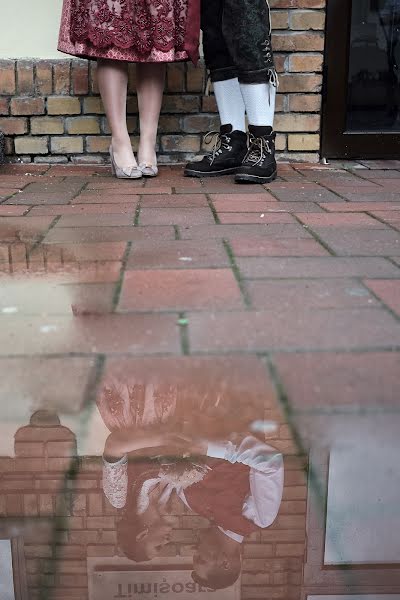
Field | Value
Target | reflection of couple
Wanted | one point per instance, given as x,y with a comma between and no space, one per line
235,484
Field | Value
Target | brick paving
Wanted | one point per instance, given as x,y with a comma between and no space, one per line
281,301
318,249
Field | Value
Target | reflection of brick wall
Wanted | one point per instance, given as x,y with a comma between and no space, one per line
68,521
50,110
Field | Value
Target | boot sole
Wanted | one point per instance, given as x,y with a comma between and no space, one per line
192,173
247,178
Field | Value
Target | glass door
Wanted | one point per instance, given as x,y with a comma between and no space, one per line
361,100
12,564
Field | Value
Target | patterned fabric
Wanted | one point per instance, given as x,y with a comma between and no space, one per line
124,404
130,30
130,23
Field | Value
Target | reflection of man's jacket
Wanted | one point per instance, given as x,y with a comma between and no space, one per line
239,487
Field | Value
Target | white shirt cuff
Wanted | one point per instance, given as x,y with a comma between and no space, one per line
231,534
121,461
216,450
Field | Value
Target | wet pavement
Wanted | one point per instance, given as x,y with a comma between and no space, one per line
200,385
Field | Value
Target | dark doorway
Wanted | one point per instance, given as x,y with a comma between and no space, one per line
361,106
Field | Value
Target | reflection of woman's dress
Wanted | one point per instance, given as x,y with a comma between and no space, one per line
123,404
212,411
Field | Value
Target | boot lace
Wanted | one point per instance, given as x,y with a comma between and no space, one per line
221,142
258,151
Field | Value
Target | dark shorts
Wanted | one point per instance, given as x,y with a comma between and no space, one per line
237,40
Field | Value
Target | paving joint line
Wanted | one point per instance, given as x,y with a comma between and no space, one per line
354,172
295,167
119,283
271,193
94,380
91,355
393,262
177,233
320,204
382,302
296,350
29,207
183,323
261,278
137,212
315,235
282,396
380,220
168,268
10,196
236,272
335,193
213,209
9,252
211,353
81,189
344,411
325,187
42,237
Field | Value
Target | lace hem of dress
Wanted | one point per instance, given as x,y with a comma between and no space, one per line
138,24
115,482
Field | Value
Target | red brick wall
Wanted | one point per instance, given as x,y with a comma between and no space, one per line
50,111
70,520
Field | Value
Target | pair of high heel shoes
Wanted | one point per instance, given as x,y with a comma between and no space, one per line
134,172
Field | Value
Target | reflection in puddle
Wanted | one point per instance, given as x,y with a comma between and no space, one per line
131,467
181,490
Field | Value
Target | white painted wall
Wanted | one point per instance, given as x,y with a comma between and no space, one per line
29,29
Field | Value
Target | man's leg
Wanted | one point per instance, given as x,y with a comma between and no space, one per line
230,144
229,98
259,99
247,33
221,67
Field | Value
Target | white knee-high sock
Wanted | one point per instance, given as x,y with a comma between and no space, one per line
259,100
230,103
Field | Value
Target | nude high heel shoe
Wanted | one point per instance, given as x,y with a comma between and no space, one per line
133,172
148,170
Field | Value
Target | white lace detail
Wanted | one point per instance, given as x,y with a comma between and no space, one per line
143,500
182,476
115,482
172,476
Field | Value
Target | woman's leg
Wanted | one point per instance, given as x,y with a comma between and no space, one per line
112,76
150,81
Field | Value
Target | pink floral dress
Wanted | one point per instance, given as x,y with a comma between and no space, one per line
131,30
